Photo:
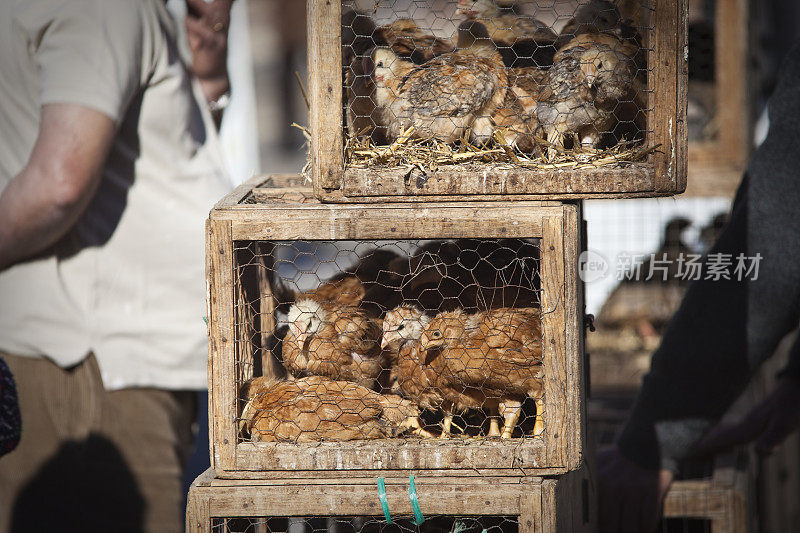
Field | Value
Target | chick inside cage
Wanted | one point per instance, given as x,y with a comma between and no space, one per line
354,340
528,84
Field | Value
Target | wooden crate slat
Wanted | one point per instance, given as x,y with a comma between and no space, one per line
539,505
221,346
325,91
497,179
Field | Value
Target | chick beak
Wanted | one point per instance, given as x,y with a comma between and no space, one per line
301,339
591,74
385,340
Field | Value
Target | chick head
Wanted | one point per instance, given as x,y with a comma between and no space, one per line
402,324
598,64
383,65
305,318
442,330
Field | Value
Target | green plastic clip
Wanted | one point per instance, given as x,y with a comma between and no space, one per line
384,500
205,319
412,495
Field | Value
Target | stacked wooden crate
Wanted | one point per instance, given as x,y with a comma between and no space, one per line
267,237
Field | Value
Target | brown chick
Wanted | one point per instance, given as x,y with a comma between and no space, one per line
602,16
498,352
359,37
517,117
517,127
447,95
402,329
316,408
370,284
408,40
522,40
333,340
347,290
594,89
530,85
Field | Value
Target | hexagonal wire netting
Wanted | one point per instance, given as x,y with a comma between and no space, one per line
527,83
367,524
380,339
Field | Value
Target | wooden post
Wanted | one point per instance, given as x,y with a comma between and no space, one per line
325,93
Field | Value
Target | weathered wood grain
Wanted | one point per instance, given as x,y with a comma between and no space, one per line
325,93
495,179
535,504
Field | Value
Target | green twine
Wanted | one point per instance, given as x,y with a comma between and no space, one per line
384,500
412,495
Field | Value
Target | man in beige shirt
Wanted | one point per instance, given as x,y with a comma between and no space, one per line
108,166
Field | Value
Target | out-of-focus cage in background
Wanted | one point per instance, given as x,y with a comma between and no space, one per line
497,99
715,495
502,505
489,333
720,96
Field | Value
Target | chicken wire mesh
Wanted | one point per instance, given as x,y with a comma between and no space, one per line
353,340
523,83
364,524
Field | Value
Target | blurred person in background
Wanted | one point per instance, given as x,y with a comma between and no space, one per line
109,163
720,335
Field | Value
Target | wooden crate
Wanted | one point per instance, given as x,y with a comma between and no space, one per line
723,502
716,164
714,496
241,317
663,172
539,505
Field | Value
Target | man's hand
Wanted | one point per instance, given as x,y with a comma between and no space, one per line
43,202
207,32
768,424
630,496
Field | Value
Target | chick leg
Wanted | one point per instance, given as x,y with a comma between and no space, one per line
494,427
538,426
555,140
510,411
447,423
416,428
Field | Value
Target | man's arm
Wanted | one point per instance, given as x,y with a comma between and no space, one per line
43,202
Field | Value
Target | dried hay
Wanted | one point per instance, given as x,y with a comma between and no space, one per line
430,154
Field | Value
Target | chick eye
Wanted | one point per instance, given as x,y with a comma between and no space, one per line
379,64
400,327
437,334
600,64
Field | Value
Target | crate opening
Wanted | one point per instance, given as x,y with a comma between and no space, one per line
477,84
414,339
367,524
